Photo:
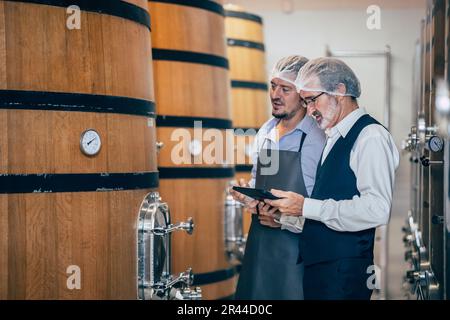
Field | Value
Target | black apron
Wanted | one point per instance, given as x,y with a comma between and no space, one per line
270,270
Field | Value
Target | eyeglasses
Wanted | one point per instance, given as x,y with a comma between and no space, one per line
306,102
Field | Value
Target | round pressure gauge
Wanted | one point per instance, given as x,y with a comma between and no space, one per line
436,143
90,142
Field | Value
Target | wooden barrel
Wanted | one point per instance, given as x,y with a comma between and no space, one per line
192,84
68,220
249,89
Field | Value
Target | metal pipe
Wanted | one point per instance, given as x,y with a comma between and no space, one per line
423,39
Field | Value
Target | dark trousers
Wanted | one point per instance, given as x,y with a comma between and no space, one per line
343,279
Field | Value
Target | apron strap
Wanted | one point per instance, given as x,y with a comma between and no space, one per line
302,141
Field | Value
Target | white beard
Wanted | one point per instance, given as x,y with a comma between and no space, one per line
329,116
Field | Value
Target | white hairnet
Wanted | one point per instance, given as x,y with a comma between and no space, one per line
287,68
325,75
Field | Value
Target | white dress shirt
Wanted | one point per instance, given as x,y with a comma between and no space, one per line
373,159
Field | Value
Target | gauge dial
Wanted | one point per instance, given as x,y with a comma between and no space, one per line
90,142
436,144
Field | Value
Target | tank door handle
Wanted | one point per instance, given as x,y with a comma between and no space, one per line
155,280
187,226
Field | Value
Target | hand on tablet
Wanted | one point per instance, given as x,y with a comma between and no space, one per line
267,215
248,202
291,204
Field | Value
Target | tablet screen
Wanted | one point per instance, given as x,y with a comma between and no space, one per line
258,194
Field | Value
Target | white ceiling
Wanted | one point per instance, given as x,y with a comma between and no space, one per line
261,5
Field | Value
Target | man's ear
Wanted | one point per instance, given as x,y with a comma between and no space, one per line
341,88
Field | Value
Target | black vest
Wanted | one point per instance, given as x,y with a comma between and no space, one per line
336,180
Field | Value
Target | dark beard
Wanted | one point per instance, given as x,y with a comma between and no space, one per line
285,116
280,116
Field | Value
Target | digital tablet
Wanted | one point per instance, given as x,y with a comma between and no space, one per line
257,194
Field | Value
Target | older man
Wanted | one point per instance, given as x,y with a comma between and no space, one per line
353,190
294,142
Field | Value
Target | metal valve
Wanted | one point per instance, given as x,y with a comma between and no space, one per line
406,144
425,284
411,142
418,277
408,239
421,129
192,294
426,162
187,226
155,280
186,278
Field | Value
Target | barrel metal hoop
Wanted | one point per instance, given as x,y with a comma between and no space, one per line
245,43
249,85
190,122
191,57
77,182
196,172
115,8
243,15
200,4
62,101
216,276
244,168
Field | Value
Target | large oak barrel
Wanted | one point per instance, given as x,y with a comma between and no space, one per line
249,95
192,84
68,220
